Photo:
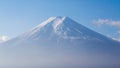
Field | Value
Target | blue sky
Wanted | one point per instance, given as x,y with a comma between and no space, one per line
18,16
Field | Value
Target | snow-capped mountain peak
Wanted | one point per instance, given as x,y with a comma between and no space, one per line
54,20
63,29
56,25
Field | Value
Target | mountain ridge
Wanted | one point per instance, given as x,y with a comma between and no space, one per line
65,28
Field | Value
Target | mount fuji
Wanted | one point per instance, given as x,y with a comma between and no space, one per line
60,42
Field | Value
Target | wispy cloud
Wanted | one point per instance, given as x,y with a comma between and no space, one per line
117,39
3,38
108,22
117,34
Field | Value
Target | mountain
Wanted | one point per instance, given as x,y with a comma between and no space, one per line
63,29
60,42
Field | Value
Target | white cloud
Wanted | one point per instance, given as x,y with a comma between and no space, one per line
108,22
3,38
117,39
117,34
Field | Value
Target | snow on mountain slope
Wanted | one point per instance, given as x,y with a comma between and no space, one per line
60,42
63,29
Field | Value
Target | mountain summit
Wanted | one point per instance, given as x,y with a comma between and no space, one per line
61,42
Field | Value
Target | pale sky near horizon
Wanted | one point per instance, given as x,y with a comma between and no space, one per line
18,16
